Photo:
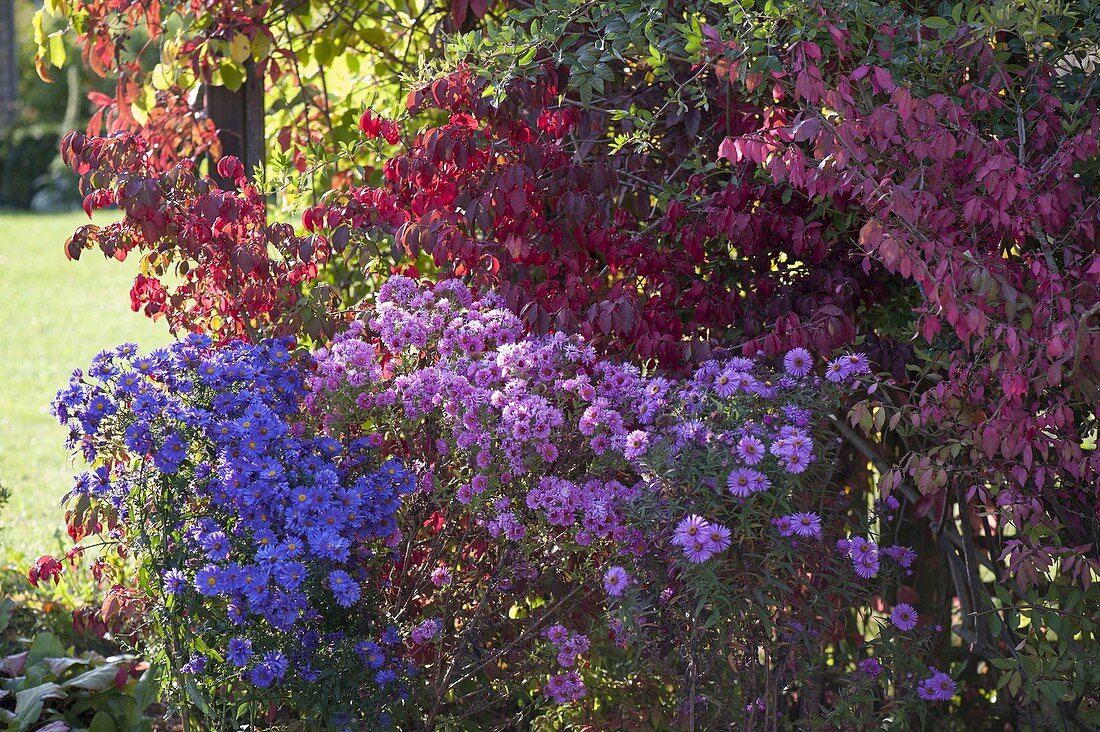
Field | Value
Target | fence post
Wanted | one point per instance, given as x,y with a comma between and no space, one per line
239,118
9,69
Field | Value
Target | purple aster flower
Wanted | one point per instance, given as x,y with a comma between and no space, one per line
903,555
743,482
785,525
690,530
239,652
615,581
718,538
208,581
344,588
837,370
904,616
807,524
725,383
194,665
871,667
174,581
750,449
698,551
866,565
798,362
937,687
425,631
857,363
556,634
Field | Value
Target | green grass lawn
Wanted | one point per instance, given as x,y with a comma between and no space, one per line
55,316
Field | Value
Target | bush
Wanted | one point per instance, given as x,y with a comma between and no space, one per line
26,154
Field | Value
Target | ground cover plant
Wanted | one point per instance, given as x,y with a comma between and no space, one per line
626,356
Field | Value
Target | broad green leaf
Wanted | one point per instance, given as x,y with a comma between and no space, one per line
45,645
29,703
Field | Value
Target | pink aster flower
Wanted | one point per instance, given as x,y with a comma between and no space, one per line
807,524
798,362
904,617
615,581
441,576
635,444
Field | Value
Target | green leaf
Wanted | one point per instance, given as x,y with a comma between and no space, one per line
29,703
45,645
937,23
7,608
102,722
232,75
100,678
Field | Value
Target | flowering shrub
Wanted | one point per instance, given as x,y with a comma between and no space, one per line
441,509
259,541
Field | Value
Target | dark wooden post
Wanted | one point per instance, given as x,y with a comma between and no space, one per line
239,117
9,68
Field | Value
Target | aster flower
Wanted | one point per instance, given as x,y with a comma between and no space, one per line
698,551
441,577
635,443
208,580
690,529
937,687
798,362
718,538
904,617
807,524
866,565
174,581
750,449
239,652
425,631
725,383
344,589
837,370
857,363
615,581
743,482
785,525
870,667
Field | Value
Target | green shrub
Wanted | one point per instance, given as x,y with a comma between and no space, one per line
26,152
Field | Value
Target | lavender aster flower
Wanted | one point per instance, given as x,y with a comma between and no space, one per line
807,524
937,687
904,617
798,362
615,581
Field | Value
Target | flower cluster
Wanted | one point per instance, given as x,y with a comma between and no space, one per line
566,686
937,687
260,535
